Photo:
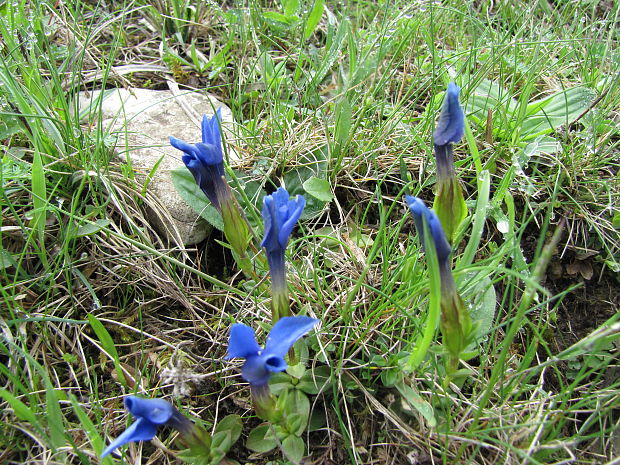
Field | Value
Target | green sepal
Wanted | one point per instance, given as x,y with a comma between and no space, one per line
450,206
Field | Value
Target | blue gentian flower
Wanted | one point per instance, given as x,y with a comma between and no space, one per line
451,124
280,215
205,159
449,201
421,212
261,363
149,413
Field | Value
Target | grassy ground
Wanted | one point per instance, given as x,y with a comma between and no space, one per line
96,305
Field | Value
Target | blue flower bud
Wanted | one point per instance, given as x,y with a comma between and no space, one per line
420,214
451,124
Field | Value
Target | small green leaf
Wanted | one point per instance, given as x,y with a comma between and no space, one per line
616,221
297,403
483,302
308,165
294,448
319,188
314,381
6,259
296,371
261,439
279,382
232,424
413,400
222,440
89,229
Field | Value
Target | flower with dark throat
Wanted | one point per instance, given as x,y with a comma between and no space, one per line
260,364
449,201
150,414
280,215
205,160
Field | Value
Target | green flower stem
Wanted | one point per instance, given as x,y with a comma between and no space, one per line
264,403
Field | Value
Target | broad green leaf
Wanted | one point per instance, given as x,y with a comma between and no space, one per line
319,189
190,192
290,7
261,439
297,402
482,302
562,108
55,423
297,370
487,96
294,448
413,400
222,440
314,18
343,122
541,145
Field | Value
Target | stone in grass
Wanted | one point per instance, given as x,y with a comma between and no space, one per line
142,121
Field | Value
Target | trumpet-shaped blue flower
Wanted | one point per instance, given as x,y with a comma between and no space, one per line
205,160
261,363
149,413
280,215
451,124
421,212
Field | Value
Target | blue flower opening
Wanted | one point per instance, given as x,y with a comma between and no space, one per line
149,413
205,159
451,124
420,213
280,214
261,363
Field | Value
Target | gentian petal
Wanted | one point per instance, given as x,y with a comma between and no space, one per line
242,342
420,211
285,332
140,430
209,155
190,149
451,124
294,210
269,223
156,411
280,214
211,128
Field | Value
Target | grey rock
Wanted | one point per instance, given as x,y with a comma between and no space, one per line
142,120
